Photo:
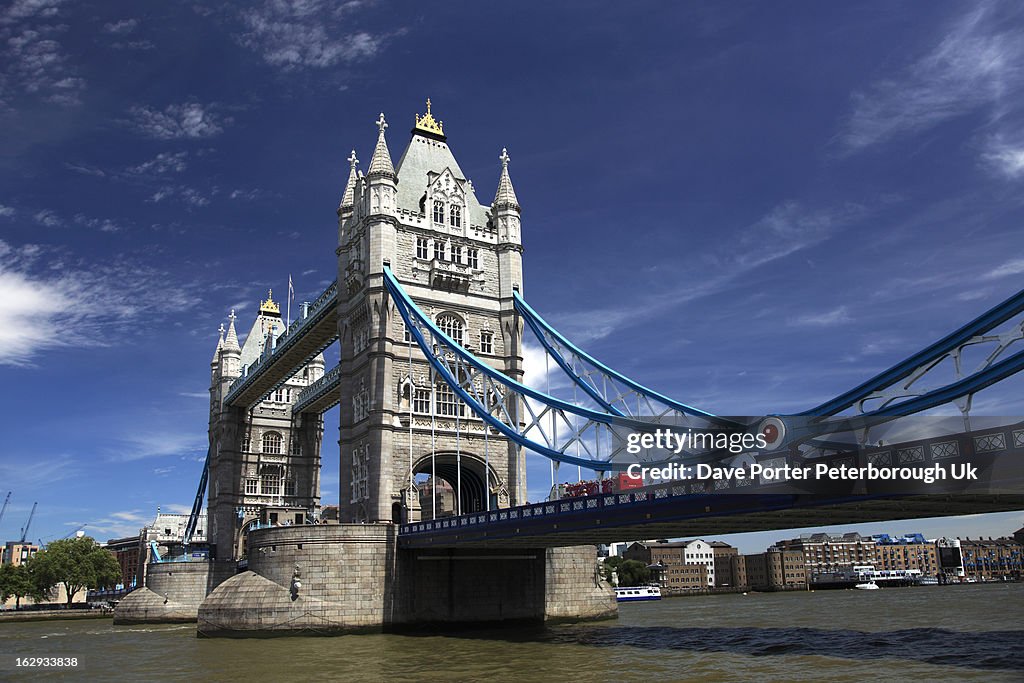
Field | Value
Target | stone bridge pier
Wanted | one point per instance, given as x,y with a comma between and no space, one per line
346,578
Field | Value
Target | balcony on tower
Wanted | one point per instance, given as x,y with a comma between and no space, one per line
454,277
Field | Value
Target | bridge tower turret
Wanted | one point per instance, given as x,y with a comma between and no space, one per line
460,261
506,215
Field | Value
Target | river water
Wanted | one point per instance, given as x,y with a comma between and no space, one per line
970,632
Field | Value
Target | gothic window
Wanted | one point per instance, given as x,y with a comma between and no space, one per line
455,216
486,342
360,474
245,443
272,443
361,403
447,402
360,339
473,258
438,250
438,212
421,247
270,480
252,486
296,445
451,326
289,487
279,395
456,253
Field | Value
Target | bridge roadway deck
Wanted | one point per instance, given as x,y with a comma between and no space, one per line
297,347
687,508
703,517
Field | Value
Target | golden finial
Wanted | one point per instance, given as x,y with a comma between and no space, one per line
427,123
269,306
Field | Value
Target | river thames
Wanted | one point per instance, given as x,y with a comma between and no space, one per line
964,633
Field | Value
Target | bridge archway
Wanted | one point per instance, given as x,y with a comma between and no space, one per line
476,483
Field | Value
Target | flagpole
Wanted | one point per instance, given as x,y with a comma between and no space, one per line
288,320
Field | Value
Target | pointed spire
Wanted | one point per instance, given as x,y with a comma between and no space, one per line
220,345
505,197
380,164
349,198
231,341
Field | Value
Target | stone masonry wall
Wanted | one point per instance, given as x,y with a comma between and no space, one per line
574,589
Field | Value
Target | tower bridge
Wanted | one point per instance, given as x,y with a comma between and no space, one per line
430,312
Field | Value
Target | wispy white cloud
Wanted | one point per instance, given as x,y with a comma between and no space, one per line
190,120
977,66
293,34
7,211
122,27
788,228
102,224
91,306
244,195
1014,267
161,164
48,219
156,444
85,169
1006,158
837,316
33,60
188,195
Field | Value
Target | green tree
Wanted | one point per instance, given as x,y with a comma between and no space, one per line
633,573
77,563
611,564
16,581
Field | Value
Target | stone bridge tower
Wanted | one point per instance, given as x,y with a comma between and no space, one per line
265,461
460,261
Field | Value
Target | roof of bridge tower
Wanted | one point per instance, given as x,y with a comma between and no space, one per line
428,126
506,195
267,323
428,152
220,344
380,163
231,340
349,198
270,307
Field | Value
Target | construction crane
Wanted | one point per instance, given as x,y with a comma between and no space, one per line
24,532
43,544
4,508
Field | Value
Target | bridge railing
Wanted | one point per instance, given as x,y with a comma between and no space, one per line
311,314
315,390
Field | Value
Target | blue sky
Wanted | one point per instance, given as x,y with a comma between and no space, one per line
748,206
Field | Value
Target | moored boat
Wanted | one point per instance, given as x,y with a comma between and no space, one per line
637,593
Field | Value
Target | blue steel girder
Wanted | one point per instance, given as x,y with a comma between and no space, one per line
313,332
197,504
616,393
933,377
898,382
534,420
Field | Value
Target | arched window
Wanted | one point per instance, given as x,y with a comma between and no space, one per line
438,212
455,216
451,326
272,443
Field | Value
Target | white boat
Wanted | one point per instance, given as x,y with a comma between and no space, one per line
869,586
637,593
929,581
